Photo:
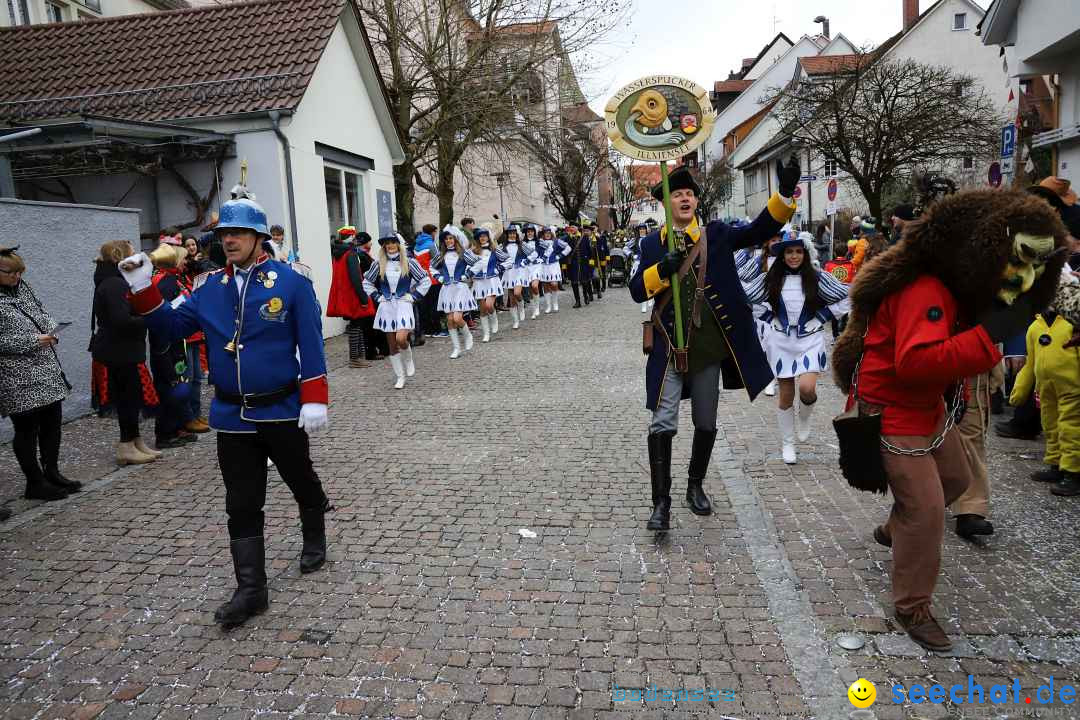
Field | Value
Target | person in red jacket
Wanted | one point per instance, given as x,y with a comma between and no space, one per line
349,301
926,314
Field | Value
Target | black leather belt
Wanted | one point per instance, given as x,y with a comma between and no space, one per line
256,400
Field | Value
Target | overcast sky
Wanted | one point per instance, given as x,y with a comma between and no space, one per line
706,39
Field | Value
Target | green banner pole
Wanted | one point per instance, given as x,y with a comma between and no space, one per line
676,296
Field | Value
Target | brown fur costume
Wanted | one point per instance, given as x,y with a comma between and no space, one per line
965,241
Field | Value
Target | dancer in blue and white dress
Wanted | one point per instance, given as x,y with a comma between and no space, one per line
517,275
801,303
532,247
395,281
551,250
451,267
487,273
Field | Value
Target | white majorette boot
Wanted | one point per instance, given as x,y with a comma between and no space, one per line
786,420
494,318
770,389
399,370
407,360
555,301
521,311
466,334
485,323
536,307
547,303
805,411
514,316
456,342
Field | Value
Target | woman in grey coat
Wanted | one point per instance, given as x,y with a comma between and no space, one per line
32,383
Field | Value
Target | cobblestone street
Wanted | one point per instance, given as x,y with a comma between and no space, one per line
434,605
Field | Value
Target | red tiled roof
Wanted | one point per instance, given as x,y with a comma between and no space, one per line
832,64
735,86
202,62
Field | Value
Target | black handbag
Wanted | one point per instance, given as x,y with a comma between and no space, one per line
859,436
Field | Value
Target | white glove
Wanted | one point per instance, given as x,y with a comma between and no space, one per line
312,417
137,271
409,298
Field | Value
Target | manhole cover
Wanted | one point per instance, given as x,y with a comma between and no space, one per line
850,641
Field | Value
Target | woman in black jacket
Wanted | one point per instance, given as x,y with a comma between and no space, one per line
119,343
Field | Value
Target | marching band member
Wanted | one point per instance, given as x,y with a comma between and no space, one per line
263,331
801,301
518,273
451,266
633,251
396,281
577,266
551,250
487,280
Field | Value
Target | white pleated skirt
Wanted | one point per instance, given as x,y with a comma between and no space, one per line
456,297
394,315
550,272
790,355
535,271
516,277
487,287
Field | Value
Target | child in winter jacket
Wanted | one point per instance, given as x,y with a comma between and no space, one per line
1054,372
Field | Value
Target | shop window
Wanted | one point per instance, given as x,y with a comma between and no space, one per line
344,198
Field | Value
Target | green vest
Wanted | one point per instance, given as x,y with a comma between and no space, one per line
707,345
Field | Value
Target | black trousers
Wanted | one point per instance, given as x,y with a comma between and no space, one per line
37,429
357,340
429,312
125,386
242,458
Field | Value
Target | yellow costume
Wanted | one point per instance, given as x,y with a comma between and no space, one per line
1055,373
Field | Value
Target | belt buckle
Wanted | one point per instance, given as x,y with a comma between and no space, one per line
244,402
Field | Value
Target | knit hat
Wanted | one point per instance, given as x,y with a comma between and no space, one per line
904,212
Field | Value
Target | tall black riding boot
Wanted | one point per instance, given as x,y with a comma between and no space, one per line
53,475
577,294
586,288
251,597
660,473
313,526
700,453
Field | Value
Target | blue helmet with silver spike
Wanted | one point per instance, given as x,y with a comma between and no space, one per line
242,214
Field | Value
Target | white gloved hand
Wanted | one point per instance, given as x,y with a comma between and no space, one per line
137,271
313,417
409,299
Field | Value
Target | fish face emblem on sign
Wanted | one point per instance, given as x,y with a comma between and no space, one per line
659,117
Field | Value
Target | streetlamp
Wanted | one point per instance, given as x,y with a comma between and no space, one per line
502,179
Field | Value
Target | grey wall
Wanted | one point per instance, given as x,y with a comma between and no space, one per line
59,243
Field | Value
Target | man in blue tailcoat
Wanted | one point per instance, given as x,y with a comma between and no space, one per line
719,332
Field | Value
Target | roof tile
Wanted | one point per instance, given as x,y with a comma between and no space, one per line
216,52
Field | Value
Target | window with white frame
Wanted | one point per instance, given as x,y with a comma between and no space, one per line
959,21
830,168
750,178
54,13
344,198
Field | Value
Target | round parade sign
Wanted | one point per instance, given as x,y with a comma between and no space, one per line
659,117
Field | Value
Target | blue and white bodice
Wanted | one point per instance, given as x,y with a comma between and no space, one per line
794,315
489,263
552,250
453,267
396,285
519,255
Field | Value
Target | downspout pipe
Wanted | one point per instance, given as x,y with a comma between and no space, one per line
275,120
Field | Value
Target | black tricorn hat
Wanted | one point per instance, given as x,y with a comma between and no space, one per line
681,179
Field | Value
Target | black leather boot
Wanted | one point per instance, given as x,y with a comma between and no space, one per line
313,526
38,487
969,525
700,453
251,597
660,473
53,475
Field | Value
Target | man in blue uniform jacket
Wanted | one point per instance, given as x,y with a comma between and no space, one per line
257,313
718,329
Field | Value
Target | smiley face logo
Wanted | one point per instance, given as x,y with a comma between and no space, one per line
862,693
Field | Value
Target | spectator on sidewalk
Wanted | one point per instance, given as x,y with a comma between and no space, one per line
32,383
349,301
427,314
119,343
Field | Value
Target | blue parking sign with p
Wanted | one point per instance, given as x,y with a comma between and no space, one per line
1008,141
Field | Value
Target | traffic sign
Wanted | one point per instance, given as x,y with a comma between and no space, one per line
1008,140
832,190
830,208
798,192
808,178
995,175
1007,166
